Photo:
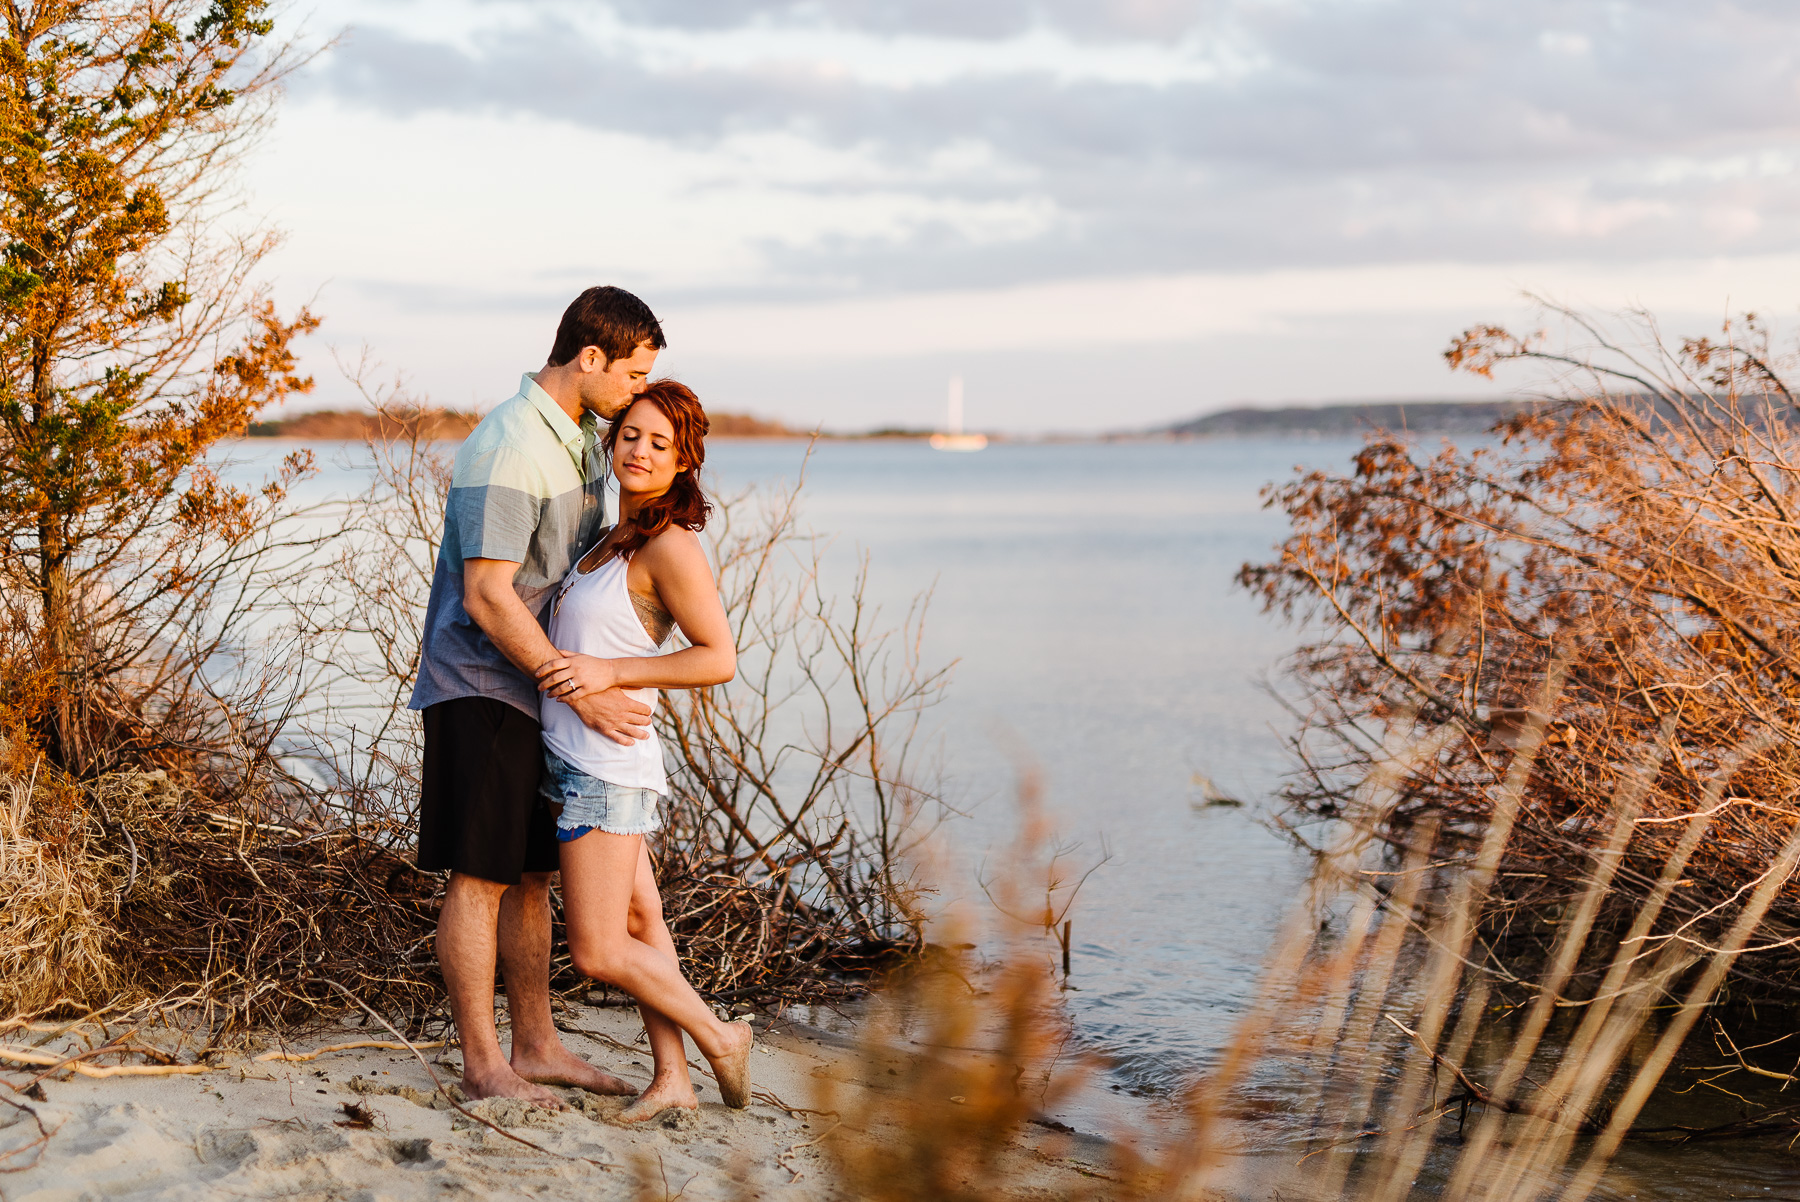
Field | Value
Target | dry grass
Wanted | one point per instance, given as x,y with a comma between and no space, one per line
123,891
59,918
958,1055
1406,1077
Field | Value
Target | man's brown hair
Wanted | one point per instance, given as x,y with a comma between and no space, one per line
609,318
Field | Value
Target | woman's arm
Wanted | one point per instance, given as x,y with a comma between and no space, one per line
676,565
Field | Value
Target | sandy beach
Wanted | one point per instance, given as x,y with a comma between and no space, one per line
368,1124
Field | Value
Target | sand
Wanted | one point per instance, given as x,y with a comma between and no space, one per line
273,1129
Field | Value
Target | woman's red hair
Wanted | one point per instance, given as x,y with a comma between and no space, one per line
684,504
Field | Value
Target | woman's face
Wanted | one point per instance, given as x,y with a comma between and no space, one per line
644,459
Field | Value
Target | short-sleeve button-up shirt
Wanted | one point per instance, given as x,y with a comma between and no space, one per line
529,488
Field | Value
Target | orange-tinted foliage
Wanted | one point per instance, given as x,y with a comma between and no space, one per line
1646,529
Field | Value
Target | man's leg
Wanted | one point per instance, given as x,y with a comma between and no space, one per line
538,1053
465,950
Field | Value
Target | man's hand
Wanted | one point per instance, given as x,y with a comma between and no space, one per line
489,599
589,686
615,714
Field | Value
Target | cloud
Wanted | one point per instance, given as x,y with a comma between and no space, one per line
989,19
1144,135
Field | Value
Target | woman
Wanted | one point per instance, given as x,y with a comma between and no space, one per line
609,622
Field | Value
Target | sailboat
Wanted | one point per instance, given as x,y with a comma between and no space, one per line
953,438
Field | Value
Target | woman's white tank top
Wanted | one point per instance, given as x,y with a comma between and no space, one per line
593,615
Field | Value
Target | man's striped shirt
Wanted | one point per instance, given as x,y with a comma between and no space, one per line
528,487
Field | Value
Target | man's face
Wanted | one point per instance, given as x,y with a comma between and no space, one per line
606,388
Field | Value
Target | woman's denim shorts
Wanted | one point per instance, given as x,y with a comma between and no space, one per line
591,804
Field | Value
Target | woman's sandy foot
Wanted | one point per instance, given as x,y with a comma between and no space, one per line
504,1083
732,1070
560,1066
662,1097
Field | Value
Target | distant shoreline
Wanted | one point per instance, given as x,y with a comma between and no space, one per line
1352,417
1345,419
327,425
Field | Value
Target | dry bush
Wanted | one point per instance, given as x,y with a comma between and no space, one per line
153,853
1639,533
248,922
126,891
198,866
356,622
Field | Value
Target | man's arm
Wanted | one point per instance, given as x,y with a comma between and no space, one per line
490,601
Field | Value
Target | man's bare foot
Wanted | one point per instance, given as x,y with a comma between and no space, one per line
662,1096
505,1083
560,1066
732,1070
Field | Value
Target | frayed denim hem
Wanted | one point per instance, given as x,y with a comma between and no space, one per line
591,804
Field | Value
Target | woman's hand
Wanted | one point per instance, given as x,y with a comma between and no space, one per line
572,675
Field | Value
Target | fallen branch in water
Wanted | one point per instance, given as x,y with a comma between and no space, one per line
1785,1120
1473,1092
1744,1065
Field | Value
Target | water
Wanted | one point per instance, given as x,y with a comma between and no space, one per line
1085,591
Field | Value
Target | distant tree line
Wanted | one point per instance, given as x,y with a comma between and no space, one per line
357,424
1415,417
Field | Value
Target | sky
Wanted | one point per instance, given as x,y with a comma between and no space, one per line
1102,214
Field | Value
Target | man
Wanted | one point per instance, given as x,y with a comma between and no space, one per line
526,498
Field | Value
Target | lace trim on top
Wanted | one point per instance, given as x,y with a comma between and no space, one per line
656,619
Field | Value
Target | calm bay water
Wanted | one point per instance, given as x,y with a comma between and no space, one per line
1085,592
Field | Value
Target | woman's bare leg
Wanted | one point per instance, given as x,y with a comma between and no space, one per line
673,1086
600,876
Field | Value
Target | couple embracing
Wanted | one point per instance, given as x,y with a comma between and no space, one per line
546,639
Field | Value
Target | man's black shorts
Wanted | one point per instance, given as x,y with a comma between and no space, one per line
479,810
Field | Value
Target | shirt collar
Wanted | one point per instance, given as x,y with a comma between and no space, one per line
577,440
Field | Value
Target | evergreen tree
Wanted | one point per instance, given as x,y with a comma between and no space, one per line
133,336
